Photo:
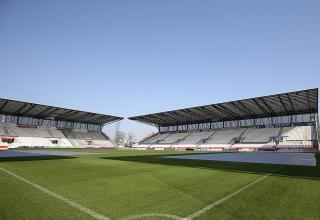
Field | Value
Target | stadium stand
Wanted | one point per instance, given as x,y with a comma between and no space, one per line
225,136
36,137
157,139
196,138
276,122
174,138
24,124
260,135
83,138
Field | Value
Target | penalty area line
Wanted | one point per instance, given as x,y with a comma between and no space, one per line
168,216
57,196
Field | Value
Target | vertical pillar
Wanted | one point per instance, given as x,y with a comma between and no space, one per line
315,118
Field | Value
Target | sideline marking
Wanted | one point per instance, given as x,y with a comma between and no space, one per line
227,197
57,196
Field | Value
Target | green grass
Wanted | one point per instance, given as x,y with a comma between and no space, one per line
123,183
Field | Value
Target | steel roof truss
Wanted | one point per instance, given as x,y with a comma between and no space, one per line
4,105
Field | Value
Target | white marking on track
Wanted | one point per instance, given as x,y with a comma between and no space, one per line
132,217
227,197
57,196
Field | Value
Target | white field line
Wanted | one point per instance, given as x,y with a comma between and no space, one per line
57,196
207,208
132,217
227,197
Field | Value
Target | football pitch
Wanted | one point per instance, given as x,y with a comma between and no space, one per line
124,185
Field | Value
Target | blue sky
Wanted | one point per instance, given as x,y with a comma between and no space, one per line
129,58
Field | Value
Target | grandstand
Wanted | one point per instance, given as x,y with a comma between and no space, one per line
24,124
287,121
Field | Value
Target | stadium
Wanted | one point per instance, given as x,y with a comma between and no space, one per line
254,158
159,110
287,121
33,125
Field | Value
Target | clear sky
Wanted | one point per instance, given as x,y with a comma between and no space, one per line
134,57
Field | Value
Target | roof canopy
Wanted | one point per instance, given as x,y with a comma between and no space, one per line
298,102
27,109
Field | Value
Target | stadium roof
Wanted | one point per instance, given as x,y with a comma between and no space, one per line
298,102
27,109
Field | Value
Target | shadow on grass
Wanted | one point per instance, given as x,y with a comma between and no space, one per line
34,158
303,172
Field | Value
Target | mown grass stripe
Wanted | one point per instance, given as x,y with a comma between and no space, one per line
57,196
227,197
